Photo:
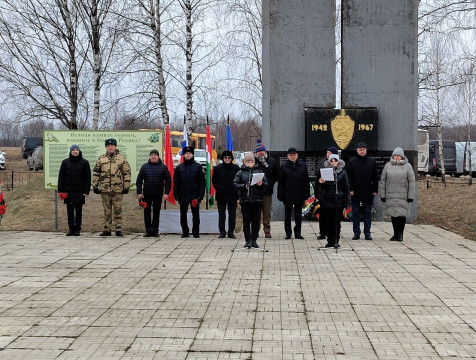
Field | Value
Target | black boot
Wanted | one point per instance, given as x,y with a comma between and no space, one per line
248,244
400,237
105,233
254,244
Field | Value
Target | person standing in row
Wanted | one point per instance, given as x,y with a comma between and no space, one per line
112,179
334,203
74,182
271,169
363,181
293,191
323,225
226,194
189,190
153,186
251,198
397,190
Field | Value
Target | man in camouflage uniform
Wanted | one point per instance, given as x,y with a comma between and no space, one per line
112,179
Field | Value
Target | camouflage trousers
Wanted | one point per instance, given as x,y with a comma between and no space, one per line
112,206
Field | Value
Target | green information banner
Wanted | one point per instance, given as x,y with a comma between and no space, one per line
134,145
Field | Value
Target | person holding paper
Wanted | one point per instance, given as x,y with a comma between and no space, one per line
322,225
251,198
333,203
293,190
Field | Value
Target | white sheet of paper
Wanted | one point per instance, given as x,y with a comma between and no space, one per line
256,178
327,174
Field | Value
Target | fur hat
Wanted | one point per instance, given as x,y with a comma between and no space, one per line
249,157
333,150
187,149
227,153
259,146
110,141
334,156
74,146
398,151
154,151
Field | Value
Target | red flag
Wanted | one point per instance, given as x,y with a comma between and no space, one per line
210,188
168,161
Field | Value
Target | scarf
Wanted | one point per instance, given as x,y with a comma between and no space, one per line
263,161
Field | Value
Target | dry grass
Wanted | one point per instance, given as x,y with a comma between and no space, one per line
452,207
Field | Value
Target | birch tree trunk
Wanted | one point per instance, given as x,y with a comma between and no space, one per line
187,8
155,24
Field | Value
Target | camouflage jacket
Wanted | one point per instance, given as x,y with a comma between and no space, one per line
112,173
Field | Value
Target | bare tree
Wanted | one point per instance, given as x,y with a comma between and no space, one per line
244,81
199,38
40,60
104,29
467,92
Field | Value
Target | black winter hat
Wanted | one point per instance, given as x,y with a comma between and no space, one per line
361,145
187,149
227,153
154,151
110,141
333,150
292,150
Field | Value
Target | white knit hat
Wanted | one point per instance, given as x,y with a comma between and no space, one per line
334,156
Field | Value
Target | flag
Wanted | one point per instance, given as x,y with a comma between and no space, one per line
229,140
184,141
210,189
169,162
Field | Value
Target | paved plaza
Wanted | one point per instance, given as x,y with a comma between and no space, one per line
137,298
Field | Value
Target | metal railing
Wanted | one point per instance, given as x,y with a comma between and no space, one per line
15,179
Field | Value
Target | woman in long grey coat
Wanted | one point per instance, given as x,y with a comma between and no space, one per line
397,191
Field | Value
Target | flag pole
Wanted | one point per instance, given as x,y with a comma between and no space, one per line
208,180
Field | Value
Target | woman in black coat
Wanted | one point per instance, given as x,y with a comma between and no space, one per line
251,198
226,194
332,204
74,182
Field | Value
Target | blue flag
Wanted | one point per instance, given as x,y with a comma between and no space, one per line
229,140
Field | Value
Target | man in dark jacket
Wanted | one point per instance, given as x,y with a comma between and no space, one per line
271,170
363,181
74,182
189,190
153,185
293,190
226,194
323,224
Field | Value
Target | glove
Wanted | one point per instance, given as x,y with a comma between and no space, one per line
63,196
125,191
97,191
383,199
409,200
143,204
194,203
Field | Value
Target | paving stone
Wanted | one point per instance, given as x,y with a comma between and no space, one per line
173,298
